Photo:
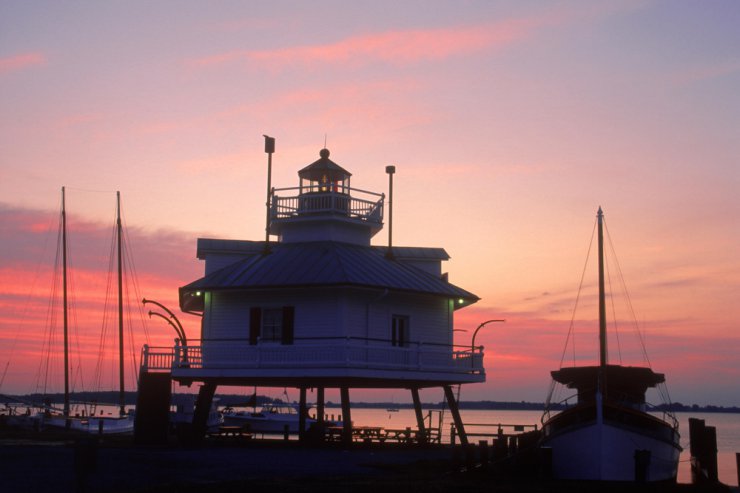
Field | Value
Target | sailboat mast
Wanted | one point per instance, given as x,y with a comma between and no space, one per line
64,306
119,230
602,297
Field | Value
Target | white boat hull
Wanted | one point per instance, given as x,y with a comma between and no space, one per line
92,425
606,452
266,424
215,420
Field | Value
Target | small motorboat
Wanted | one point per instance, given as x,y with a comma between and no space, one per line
273,417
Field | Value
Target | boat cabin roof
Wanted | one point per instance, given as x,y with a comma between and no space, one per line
629,380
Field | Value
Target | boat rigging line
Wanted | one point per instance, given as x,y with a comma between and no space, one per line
571,332
614,322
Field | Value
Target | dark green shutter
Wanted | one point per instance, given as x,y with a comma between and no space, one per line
255,322
288,316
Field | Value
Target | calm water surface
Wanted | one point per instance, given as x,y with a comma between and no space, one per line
728,431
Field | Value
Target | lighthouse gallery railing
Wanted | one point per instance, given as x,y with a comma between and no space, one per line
355,203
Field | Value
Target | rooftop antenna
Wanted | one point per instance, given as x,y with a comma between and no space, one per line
269,149
324,141
390,170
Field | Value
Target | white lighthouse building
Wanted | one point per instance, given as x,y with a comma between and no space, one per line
321,307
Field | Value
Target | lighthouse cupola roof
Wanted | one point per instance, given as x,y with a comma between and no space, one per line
324,175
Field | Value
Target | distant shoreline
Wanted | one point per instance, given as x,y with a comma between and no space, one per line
529,406
111,397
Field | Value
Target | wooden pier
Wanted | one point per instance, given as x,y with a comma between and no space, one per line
379,434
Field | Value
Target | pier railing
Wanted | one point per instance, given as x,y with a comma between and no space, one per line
493,431
324,352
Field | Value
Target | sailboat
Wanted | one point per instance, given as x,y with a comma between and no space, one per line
53,418
609,434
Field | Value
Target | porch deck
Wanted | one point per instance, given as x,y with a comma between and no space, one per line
317,358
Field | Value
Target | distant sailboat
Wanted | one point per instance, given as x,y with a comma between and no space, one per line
53,418
609,433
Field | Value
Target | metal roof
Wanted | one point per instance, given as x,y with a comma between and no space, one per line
219,246
323,264
324,166
415,253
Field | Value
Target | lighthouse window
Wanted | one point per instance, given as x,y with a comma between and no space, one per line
400,330
272,325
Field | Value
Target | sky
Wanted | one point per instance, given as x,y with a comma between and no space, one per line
509,124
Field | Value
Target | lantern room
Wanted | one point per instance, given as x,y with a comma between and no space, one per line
324,175
325,207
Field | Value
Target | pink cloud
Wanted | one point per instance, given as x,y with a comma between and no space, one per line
218,59
396,47
21,61
334,105
409,46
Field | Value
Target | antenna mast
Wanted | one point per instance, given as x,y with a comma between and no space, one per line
65,307
269,149
602,296
391,171
119,231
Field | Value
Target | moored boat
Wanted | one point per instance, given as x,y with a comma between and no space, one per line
182,411
106,425
88,422
272,417
611,433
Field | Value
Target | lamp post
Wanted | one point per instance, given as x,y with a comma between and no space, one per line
175,325
472,344
180,335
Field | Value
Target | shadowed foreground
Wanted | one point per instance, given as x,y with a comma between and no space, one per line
63,466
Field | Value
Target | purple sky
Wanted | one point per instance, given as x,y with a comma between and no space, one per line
509,124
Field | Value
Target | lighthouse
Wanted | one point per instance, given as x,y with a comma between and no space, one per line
317,306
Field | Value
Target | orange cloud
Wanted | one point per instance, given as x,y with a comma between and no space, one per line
20,62
396,47
30,325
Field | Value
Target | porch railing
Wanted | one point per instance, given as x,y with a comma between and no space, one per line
346,352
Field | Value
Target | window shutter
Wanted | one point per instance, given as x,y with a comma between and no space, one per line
255,321
288,316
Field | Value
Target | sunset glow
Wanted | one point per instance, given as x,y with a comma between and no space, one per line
509,124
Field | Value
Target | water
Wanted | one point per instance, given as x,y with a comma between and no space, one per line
727,425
